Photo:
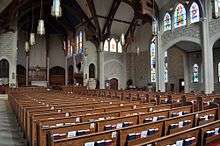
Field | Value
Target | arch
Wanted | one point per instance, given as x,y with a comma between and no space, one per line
4,71
167,23
70,74
180,39
113,83
57,75
214,39
180,16
113,45
21,75
91,70
194,13
195,73
119,47
106,45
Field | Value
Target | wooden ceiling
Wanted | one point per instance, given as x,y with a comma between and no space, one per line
21,11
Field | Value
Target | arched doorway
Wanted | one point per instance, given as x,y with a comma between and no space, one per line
216,65
114,84
70,75
179,61
91,70
21,75
4,75
57,76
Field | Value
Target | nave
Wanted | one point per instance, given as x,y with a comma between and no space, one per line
81,117
10,133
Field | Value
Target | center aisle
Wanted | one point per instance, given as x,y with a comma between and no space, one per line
9,131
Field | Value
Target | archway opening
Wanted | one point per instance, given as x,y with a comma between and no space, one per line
91,70
57,76
4,75
114,84
216,65
21,75
183,67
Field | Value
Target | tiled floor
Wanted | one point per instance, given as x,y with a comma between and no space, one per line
10,134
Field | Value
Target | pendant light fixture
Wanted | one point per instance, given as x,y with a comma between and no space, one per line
56,9
154,21
27,48
32,34
138,51
123,39
41,27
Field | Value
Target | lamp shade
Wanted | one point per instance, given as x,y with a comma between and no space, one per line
27,48
41,27
154,27
32,39
56,10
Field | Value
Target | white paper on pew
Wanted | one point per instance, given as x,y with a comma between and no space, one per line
119,125
134,107
92,125
206,117
216,131
143,134
89,144
151,109
180,113
59,125
180,124
114,134
71,134
154,119
67,114
179,143
78,119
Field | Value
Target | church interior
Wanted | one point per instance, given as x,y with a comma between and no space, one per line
109,72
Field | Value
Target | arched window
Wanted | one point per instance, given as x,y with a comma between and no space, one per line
219,72
92,71
106,45
119,47
166,67
215,8
79,42
113,45
179,16
195,73
194,13
153,60
167,22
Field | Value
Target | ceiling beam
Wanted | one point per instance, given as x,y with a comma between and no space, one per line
111,15
93,12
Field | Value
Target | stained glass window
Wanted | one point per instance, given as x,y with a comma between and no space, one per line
194,13
167,22
113,45
166,67
119,47
179,16
219,72
153,60
195,73
80,42
106,45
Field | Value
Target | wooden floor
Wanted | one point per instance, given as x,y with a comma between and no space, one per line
10,134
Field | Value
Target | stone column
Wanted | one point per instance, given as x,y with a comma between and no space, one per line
101,66
48,70
160,66
27,68
66,70
208,76
186,72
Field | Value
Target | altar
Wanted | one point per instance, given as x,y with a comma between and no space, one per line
39,83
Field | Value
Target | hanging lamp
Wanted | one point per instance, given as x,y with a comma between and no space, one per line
154,21
32,34
56,9
27,48
41,27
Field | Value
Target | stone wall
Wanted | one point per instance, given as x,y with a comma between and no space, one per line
8,51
